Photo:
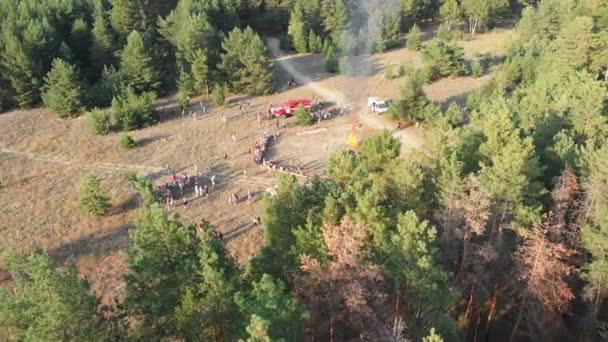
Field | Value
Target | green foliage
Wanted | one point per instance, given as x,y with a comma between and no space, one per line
297,30
80,41
133,111
245,62
450,11
303,117
218,95
128,16
127,142
93,199
137,66
331,61
480,12
99,121
62,91
315,44
270,302
390,34
44,303
163,262
183,98
145,187
257,330
102,43
445,58
335,18
412,100
476,68
414,39
388,72
432,337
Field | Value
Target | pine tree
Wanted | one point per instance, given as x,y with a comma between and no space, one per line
132,111
450,11
414,260
314,42
445,58
297,29
128,16
62,91
200,71
99,121
245,62
93,199
219,95
335,18
102,45
163,262
80,42
22,69
303,117
414,38
331,61
480,11
46,303
412,100
137,65
269,301
257,330
390,35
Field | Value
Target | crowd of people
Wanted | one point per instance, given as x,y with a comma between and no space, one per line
260,148
297,169
180,184
321,115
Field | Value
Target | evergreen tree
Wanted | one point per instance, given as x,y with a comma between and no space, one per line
132,111
390,35
257,330
62,91
127,16
145,187
80,42
45,303
200,71
331,61
245,62
480,11
269,301
335,18
414,38
303,117
137,65
219,95
99,121
450,11
93,199
412,100
297,29
314,42
102,45
444,58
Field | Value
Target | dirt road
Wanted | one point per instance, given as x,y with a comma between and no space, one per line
409,138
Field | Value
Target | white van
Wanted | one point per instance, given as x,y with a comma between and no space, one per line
377,105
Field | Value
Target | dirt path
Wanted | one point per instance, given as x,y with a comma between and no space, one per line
408,137
85,165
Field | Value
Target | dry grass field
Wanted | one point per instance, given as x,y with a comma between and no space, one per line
43,158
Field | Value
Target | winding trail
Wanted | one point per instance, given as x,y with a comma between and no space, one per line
408,137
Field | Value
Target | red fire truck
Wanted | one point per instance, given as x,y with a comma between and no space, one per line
290,107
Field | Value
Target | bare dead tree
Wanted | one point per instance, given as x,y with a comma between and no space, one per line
347,285
542,269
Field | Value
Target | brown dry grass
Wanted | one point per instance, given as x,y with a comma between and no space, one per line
42,160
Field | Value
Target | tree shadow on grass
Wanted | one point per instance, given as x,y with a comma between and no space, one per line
97,244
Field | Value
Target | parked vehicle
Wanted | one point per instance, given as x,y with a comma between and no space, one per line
290,107
377,105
